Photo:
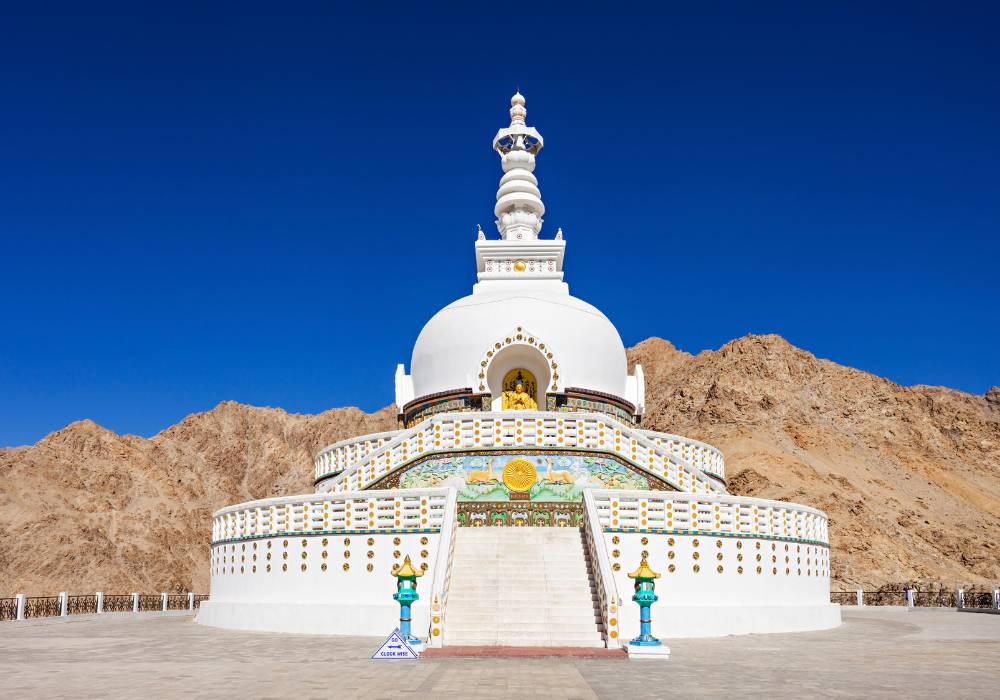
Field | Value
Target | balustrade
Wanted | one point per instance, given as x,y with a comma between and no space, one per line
119,602
42,606
521,430
81,604
330,512
699,454
51,606
709,513
150,603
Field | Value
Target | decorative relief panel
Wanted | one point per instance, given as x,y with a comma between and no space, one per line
492,477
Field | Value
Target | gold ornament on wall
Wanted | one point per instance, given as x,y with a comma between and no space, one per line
519,475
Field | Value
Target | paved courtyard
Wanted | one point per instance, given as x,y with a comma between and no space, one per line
876,653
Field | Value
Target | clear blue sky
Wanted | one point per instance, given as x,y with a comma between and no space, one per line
206,204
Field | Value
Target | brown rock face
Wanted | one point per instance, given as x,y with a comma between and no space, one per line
909,476
85,509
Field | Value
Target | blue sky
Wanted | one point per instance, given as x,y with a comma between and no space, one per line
199,205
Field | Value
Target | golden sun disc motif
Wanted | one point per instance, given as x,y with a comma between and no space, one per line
519,475
520,266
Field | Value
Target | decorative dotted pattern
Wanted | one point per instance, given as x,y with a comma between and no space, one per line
519,337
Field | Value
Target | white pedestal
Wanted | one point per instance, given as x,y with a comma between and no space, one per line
637,652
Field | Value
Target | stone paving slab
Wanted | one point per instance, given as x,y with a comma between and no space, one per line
875,654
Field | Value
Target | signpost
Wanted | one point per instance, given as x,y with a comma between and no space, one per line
394,649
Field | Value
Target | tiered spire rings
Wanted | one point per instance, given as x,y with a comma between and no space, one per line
519,207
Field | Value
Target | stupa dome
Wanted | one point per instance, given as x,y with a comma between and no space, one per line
581,343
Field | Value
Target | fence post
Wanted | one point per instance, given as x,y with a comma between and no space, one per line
163,599
910,597
100,602
135,602
19,598
996,598
960,598
62,604
190,601
861,596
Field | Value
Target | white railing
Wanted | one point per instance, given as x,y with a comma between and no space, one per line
302,515
340,455
607,591
596,432
701,455
442,569
662,510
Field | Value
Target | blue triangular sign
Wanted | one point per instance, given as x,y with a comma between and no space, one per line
394,649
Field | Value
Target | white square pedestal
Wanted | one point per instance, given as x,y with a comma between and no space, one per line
637,652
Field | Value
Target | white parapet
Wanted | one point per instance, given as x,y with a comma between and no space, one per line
508,430
702,455
727,564
323,563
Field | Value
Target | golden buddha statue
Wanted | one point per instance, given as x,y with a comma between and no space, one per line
518,399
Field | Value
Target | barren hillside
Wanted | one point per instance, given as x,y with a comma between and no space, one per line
910,476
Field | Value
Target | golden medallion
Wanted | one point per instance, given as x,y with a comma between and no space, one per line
519,475
520,266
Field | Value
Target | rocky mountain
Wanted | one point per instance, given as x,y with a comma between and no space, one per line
910,476
85,509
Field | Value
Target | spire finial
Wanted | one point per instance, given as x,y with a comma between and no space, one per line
518,113
519,207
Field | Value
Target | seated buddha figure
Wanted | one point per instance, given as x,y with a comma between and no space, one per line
518,399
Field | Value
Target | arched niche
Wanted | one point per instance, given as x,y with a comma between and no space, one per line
514,357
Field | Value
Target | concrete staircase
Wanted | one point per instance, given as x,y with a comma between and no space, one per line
521,586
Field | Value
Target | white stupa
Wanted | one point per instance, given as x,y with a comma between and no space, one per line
520,485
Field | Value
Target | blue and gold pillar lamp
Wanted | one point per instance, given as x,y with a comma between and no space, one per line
406,596
645,596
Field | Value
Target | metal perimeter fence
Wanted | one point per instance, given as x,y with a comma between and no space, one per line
912,597
24,607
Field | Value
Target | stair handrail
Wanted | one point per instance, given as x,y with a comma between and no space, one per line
442,569
715,464
607,589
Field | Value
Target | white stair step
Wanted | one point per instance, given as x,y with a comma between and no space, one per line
461,620
539,591
535,583
537,607
560,630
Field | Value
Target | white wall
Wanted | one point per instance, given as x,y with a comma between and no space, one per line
334,601
709,603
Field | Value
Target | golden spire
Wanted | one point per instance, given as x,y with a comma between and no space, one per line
644,572
407,570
